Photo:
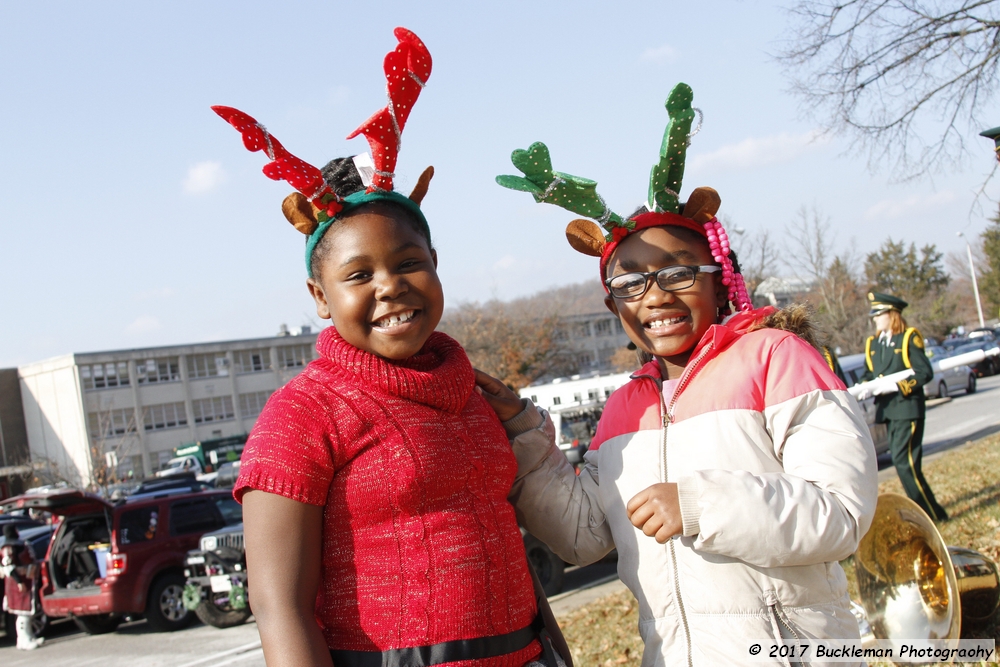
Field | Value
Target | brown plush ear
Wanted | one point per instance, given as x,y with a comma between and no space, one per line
420,189
702,205
585,237
300,212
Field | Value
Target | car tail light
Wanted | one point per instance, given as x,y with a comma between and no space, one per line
116,564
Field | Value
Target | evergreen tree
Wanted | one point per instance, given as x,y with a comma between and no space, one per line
989,276
919,278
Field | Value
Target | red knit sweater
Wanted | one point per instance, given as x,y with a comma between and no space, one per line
420,545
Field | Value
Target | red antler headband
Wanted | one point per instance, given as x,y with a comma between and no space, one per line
407,69
313,209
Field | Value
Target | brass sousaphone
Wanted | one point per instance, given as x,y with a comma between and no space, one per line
912,585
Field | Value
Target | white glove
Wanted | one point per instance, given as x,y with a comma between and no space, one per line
885,388
863,394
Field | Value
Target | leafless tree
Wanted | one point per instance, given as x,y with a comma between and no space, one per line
905,80
834,291
758,256
513,346
113,441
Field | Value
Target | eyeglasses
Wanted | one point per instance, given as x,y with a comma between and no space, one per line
669,279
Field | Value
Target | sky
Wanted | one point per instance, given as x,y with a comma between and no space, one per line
131,215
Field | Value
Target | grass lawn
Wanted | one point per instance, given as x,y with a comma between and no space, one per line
966,481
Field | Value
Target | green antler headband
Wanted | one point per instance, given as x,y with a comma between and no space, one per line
579,195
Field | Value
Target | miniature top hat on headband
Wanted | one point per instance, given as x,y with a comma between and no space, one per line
663,206
317,204
883,303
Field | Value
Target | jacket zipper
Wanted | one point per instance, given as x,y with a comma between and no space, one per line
667,417
779,616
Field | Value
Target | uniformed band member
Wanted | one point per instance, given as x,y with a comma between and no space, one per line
833,363
994,134
897,348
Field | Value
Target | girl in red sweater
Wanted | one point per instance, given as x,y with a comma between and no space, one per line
375,483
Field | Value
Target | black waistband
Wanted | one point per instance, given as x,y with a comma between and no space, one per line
436,654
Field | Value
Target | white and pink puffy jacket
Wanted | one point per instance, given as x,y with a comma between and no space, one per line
777,482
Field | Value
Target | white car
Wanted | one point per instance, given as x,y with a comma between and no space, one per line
946,383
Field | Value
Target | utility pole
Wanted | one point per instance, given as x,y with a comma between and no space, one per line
975,283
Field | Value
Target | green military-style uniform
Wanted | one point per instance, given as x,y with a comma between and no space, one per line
833,363
903,411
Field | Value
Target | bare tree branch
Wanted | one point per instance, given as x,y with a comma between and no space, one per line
904,80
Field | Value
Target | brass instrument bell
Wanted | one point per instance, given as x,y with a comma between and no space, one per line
912,586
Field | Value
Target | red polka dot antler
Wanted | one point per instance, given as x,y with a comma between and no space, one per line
407,69
283,166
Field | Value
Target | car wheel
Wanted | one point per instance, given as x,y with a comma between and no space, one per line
548,566
165,610
221,616
970,388
942,390
98,624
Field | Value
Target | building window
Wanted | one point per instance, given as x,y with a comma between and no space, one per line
577,397
110,423
534,398
166,415
252,404
581,329
252,361
158,370
215,409
604,327
104,376
557,400
292,356
592,394
608,391
585,359
208,365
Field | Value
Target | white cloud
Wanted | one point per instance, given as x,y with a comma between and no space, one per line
754,152
143,324
204,177
896,208
504,262
659,54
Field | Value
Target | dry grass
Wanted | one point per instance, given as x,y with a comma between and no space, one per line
966,481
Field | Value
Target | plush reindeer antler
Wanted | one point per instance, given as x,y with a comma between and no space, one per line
667,174
407,69
572,193
284,166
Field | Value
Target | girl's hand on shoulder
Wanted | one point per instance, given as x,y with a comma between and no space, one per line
657,511
504,402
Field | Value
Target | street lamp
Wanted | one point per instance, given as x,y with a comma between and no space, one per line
975,284
994,134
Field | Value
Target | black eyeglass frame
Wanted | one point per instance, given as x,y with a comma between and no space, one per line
695,270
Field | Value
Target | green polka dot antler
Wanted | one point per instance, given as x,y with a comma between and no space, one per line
572,193
667,174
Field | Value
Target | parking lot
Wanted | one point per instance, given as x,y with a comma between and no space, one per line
950,423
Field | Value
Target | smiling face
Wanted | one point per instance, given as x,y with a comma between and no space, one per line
377,280
667,325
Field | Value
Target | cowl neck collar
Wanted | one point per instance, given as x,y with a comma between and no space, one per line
439,375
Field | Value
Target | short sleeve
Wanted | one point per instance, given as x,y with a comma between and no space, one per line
289,451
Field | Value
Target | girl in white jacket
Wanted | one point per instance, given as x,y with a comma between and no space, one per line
732,472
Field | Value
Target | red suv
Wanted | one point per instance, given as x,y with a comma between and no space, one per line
107,561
